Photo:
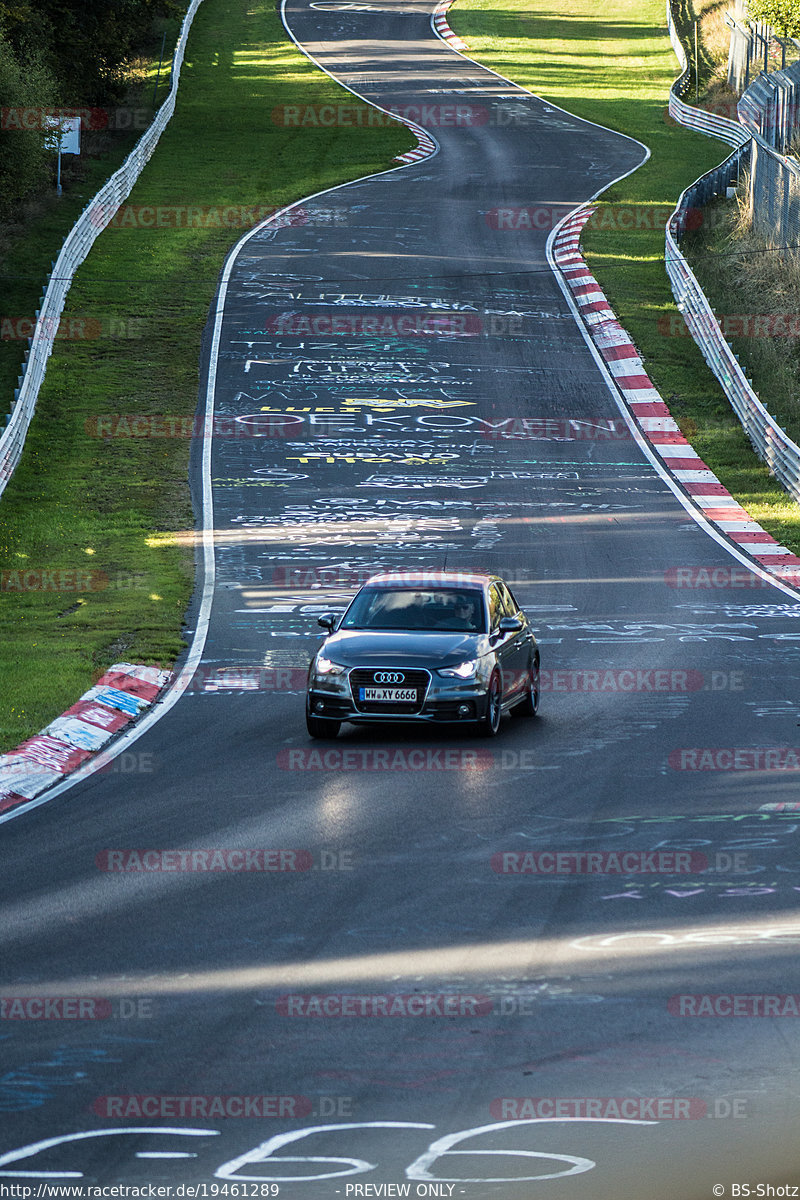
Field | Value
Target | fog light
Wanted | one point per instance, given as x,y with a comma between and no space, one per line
319,706
463,710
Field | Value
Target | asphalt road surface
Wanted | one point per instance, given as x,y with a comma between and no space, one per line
398,381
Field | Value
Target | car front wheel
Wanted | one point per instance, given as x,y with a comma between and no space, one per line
490,723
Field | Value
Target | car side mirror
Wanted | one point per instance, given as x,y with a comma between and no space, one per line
509,625
327,621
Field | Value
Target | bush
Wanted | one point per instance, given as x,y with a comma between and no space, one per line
88,45
26,86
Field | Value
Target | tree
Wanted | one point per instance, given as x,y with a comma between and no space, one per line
88,43
26,88
782,15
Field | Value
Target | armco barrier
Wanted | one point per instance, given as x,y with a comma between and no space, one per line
96,216
695,118
770,442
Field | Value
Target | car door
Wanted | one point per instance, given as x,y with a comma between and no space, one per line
503,644
518,650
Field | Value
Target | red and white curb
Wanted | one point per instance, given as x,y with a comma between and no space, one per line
443,29
654,418
115,701
425,147
425,144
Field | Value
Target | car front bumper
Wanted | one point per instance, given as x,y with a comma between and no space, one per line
446,701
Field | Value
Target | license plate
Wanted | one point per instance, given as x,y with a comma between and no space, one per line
388,695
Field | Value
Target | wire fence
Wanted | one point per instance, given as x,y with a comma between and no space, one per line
770,110
775,198
99,212
753,48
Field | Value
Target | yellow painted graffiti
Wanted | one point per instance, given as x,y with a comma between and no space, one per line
354,404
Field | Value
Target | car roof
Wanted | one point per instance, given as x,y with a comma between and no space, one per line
435,579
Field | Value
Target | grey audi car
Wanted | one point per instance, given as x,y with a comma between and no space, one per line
438,648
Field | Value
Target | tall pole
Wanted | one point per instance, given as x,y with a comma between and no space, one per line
696,67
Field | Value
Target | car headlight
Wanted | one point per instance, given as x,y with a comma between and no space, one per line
464,670
324,666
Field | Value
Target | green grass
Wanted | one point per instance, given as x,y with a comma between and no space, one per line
31,243
77,502
615,66
740,269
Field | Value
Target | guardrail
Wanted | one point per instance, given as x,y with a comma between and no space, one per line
707,188
771,443
695,118
93,220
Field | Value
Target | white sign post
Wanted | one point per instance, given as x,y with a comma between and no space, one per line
66,139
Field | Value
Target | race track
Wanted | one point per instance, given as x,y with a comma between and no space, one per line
397,380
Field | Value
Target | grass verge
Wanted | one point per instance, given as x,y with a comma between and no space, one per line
87,507
755,290
30,243
615,67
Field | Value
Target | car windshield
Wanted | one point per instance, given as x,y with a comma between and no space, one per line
432,610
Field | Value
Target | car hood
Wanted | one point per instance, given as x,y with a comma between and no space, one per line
357,648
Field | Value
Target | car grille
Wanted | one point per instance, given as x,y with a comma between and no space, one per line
365,677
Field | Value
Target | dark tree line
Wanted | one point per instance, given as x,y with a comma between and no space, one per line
61,53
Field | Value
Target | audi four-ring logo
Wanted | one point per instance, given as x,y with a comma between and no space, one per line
389,677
